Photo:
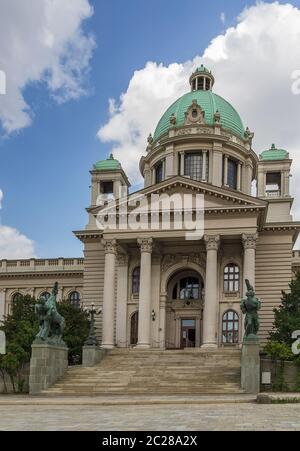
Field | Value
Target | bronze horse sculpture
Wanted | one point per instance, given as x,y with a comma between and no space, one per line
52,324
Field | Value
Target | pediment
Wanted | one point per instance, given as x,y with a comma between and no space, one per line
217,200
214,197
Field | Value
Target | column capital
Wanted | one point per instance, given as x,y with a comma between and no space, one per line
146,244
212,242
249,240
110,246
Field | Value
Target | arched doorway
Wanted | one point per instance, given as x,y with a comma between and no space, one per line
134,324
185,291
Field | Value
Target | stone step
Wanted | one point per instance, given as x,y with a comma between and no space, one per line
153,372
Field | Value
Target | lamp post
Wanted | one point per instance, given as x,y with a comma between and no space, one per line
92,312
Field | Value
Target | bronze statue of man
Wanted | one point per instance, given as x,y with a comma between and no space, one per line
250,305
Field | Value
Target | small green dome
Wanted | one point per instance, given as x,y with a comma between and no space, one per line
202,69
210,104
108,165
274,154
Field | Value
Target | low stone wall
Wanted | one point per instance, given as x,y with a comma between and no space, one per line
273,375
92,355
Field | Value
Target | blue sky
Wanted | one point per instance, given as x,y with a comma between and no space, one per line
44,170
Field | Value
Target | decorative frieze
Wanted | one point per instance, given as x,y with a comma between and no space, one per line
212,242
194,131
170,260
122,259
249,240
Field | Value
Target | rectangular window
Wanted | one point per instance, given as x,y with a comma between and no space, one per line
193,166
232,174
159,173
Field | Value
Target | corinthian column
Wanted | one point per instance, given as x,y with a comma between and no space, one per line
145,293
249,243
122,292
210,314
110,248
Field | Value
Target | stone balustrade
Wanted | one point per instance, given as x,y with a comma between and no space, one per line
36,265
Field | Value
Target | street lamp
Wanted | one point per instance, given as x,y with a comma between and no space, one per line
91,313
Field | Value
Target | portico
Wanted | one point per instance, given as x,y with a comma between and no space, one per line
181,295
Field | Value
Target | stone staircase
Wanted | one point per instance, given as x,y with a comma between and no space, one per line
155,372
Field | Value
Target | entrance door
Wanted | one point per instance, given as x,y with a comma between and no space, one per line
188,333
134,328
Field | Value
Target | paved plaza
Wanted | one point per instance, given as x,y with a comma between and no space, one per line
184,417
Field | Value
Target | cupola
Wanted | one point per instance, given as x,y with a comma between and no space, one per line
202,79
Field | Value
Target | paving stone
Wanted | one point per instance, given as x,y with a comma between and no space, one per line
152,418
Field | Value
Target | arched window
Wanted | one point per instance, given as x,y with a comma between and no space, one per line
187,288
230,327
231,278
16,297
159,172
74,299
46,295
135,286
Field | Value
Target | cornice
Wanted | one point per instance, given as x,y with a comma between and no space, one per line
39,275
89,235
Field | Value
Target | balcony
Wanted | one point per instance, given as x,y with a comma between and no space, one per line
273,193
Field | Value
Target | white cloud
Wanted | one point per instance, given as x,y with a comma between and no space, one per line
42,41
253,64
223,18
13,244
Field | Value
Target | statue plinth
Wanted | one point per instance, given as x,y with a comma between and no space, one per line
49,357
251,339
47,364
92,355
250,366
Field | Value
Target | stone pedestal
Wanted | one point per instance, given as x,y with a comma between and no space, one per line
48,363
92,355
250,366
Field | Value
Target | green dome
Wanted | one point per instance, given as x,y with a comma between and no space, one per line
274,154
107,165
210,103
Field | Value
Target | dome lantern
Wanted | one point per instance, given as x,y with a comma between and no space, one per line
202,79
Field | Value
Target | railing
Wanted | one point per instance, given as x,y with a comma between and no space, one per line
273,193
33,264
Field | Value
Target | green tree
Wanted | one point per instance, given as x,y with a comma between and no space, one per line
21,327
287,316
76,331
